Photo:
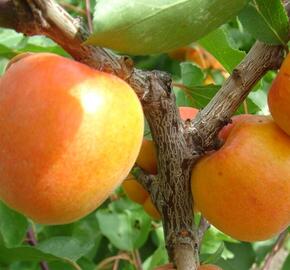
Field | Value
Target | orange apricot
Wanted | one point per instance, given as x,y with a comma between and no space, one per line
209,267
279,97
150,209
243,188
134,190
64,146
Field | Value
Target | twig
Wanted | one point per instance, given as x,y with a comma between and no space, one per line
277,247
107,261
31,239
73,8
137,259
202,227
89,16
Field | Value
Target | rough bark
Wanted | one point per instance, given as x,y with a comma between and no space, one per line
178,145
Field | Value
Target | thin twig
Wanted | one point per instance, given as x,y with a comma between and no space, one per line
277,247
137,259
31,240
89,16
73,8
124,256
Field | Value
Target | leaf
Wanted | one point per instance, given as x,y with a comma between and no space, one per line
286,264
13,226
218,44
66,247
266,20
127,230
149,26
8,255
213,258
191,74
197,96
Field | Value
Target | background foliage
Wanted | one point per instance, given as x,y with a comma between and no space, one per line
120,233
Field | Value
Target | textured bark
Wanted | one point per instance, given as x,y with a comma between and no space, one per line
179,145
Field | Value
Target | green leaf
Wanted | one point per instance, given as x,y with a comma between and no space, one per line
127,229
8,255
66,247
13,226
159,257
218,44
286,265
149,26
266,20
196,96
213,258
191,74
3,64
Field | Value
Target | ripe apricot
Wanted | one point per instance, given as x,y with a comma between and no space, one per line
134,190
147,158
69,135
243,188
279,97
150,209
208,267
138,194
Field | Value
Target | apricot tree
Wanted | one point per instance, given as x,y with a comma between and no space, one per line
148,27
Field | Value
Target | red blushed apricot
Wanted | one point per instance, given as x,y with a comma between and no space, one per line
64,146
209,267
279,97
243,188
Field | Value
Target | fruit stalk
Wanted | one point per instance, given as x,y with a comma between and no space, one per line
32,241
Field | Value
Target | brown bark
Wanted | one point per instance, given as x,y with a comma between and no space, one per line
179,146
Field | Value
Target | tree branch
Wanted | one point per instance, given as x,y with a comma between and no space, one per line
217,113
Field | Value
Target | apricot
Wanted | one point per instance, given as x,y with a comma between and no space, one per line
135,191
243,188
150,209
147,158
69,135
279,97
208,267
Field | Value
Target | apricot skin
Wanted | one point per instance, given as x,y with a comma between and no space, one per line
134,190
208,267
64,145
138,194
243,188
279,97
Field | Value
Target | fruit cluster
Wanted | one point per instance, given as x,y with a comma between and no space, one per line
64,149
244,188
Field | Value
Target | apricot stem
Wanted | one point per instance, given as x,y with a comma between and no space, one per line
31,239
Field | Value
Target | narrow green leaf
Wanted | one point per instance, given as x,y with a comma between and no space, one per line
266,20
149,26
13,226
